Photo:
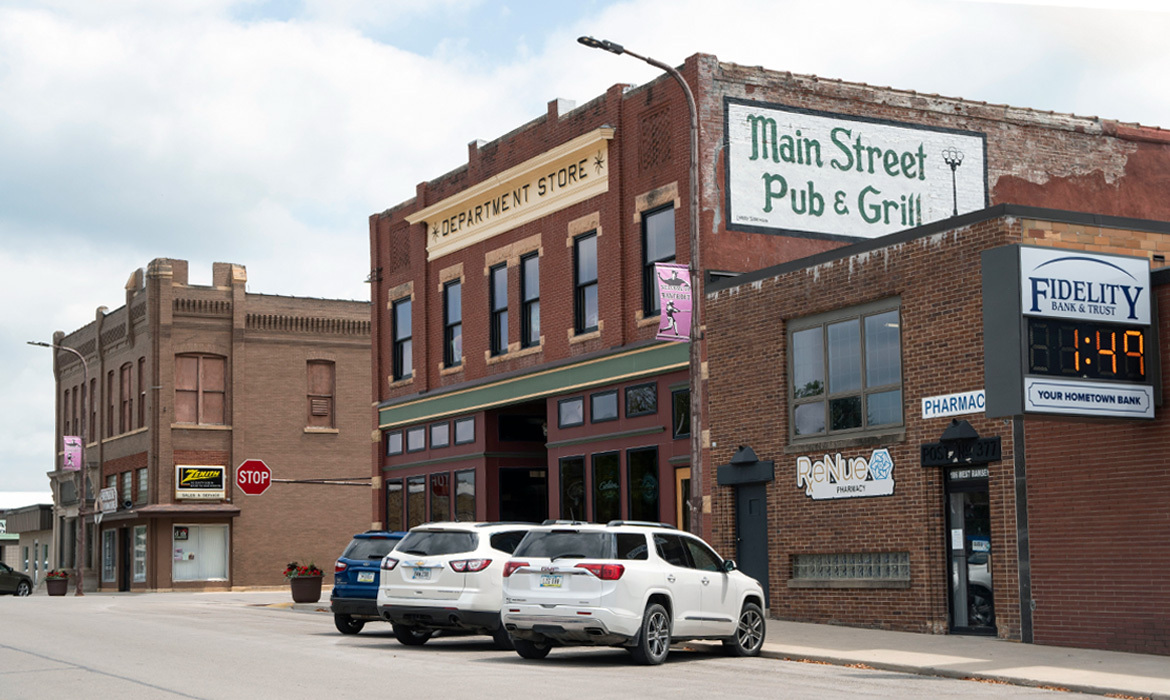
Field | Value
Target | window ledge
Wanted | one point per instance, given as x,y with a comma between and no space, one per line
644,321
395,383
591,335
321,431
514,351
197,426
846,583
867,440
446,371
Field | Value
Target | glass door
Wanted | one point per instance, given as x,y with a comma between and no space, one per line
969,542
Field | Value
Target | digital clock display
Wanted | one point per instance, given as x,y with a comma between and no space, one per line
1083,349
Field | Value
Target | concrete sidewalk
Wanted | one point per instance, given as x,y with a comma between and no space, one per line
985,658
1090,671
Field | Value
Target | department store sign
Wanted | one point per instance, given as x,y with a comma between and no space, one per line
202,482
837,476
831,175
566,175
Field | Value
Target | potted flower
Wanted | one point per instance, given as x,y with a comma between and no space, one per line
305,582
57,581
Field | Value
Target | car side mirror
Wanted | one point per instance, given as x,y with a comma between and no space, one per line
729,565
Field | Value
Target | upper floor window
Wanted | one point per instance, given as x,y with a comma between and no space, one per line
585,310
127,487
657,247
403,360
641,399
143,485
453,323
498,302
110,403
141,392
322,375
126,418
846,371
530,300
199,389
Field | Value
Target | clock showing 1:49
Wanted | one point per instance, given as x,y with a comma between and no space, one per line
1066,348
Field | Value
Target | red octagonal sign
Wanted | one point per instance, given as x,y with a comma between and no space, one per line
253,477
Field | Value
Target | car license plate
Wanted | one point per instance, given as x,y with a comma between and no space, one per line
421,574
365,577
550,580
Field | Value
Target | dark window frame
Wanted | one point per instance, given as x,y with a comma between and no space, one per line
497,311
826,395
417,430
452,329
455,431
431,430
457,477
561,402
584,484
581,287
648,412
649,283
593,483
676,432
402,341
396,523
390,451
593,408
529,304
653,449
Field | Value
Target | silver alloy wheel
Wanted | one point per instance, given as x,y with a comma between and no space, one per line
750,631
23,589
658,633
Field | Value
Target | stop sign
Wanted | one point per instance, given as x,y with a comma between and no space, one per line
253,477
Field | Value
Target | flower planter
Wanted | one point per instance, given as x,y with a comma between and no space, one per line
57,586
305,589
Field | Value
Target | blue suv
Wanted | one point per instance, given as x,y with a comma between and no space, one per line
355,579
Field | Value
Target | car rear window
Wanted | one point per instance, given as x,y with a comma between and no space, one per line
435,542
631,546
369,548
507,541
573,544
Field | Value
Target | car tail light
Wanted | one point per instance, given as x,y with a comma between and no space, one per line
388,563
340,566
470,565
605,572
512,566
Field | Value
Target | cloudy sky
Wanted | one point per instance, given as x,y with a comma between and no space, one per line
265,133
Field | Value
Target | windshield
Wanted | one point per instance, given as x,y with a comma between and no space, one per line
434,542
567,544
369,548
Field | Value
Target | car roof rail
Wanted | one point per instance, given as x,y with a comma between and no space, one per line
640,523
506,523
564,522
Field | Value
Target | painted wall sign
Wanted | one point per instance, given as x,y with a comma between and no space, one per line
1058,283
203,482
839,477
954,404
835,176
563,176
674,299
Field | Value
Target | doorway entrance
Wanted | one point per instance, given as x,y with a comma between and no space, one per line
972,604
524,494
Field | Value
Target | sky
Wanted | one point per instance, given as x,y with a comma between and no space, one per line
266,132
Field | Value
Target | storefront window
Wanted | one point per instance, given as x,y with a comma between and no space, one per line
140,554
607,487
643,480
465,495
200,552
108,560
416,501
394,521
573,488
441,496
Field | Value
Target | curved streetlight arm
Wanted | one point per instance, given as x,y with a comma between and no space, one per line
79,550
696,357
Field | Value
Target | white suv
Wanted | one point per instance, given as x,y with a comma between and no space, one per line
640,586
446,576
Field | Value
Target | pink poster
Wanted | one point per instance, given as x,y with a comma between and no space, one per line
674,299
72,460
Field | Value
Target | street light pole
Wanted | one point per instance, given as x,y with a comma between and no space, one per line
696,357
79,548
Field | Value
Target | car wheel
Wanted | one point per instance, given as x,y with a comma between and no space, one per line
346,624
531,650
502,639
23,589
749,632
412,636
654,638
980,610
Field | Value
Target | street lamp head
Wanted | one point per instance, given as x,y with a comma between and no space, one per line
39,343
601,44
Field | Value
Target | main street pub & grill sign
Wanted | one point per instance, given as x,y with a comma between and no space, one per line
1068,332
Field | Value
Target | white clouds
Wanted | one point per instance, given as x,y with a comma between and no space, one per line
265,133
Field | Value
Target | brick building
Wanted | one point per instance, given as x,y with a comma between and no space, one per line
485,412
185,382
